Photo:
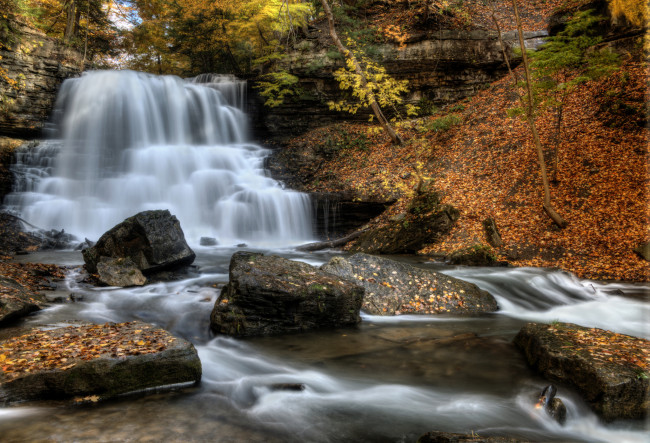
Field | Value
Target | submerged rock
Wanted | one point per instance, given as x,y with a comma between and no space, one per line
101,361
119,272
16,301
610,370
272,295
394,288
153,240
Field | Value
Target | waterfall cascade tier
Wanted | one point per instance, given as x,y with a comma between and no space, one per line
128,142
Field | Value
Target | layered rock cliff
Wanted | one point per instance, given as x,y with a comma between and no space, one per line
442,67
32,66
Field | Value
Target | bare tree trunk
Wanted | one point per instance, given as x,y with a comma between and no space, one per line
530,116
383,121
70,7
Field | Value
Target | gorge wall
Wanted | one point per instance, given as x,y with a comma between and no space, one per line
442,67
32,67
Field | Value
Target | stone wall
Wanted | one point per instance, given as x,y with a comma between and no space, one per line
442,67
38,64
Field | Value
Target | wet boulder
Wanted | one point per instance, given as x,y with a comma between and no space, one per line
153,240
119,272
610,370
16,301
394,288
272,295
94,361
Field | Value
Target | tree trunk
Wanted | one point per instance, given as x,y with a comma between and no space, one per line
364,83
70,13
530,117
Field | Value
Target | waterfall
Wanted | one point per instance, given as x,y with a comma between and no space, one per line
128,142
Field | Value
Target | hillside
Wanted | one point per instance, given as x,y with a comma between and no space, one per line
483,163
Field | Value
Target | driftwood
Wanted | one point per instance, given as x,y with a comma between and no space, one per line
317,246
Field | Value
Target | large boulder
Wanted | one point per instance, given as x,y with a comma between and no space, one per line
394,288
153,240
272,295
610,370
97,361
16,301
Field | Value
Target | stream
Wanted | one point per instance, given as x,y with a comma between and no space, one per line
390,379
124,142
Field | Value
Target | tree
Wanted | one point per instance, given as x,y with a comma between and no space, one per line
530,118
362,89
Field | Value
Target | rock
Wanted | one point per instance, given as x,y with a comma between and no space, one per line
409,235
643,251
272,295
119,272
13,236
153,240
95,360
208,241
448,437
492,232
38,64
16,301
477,255
394,288
599,364
553,405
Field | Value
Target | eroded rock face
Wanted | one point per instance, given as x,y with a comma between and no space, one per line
272,295
39,64
17,301
398,288
601,365
153,240
100,360
442,66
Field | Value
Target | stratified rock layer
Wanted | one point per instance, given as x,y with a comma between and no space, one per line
608,369
272,295
38,64
153,240
393,288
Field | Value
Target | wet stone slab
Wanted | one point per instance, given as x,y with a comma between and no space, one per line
94,362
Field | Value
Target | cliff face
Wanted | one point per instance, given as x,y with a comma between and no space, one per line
32,66
441,67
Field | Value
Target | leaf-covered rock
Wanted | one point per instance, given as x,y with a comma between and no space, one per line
609,369
153,240
94,360
17,301
394,288
272,295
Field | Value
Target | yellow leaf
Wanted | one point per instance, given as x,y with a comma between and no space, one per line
140,343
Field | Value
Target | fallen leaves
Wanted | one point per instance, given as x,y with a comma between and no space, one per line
63,348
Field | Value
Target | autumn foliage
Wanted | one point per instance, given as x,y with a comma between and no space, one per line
486,166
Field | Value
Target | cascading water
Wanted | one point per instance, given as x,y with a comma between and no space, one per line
131,142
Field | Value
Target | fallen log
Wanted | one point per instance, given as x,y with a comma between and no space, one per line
317,246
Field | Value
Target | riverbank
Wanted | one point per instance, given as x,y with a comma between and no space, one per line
482,162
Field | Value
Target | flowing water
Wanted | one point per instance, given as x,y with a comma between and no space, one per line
389,379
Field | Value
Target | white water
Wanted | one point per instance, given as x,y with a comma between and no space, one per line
131,142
